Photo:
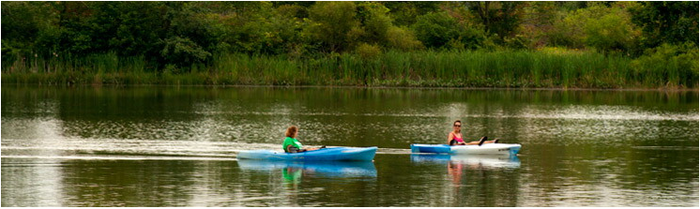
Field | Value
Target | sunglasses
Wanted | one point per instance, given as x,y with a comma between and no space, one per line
458,125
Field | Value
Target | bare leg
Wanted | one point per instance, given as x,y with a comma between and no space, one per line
477,142
488,142
480,142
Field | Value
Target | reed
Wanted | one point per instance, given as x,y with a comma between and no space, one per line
545,68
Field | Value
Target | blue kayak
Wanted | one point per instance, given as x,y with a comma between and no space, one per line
326,154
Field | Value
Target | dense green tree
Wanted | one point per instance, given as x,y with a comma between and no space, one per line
333,24
499,18
600,26
538,21
440,30
403,39
183,34
667,22
375,21
182,51
569,6
22,24
406,12
141,28
436,29
611,30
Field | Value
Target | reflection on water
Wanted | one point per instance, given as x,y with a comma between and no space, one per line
176,146
294,173
35,183
472,161
340,169
464,169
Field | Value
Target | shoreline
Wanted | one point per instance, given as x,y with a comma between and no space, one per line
359,87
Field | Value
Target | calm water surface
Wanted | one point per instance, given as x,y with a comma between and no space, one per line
176,146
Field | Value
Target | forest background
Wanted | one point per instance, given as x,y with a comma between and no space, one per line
426,44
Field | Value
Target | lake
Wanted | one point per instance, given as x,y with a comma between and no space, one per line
176,146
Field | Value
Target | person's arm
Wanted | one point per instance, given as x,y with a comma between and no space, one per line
294,149
297,146
450,137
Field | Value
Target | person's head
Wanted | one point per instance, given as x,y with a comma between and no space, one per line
457,126
292,132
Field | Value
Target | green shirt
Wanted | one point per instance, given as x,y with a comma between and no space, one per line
291,141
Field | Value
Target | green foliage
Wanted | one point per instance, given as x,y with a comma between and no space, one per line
20,22
183,51
667,22
402,39
612,30
375,21
367,51
331,23
259,30
440,30
20,28
436,29
405,13
668,65
498,18
538,22
140,27
353,43
606,28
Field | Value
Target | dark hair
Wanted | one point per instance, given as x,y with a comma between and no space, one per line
291,131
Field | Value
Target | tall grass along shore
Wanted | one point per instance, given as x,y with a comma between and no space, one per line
548,68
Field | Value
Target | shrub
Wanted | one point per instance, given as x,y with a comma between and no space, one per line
675,65
183,51
598,26
402,39
368,51
440,30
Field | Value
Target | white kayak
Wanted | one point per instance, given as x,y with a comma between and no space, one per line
484,149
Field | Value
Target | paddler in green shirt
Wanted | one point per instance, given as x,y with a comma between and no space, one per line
291,144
